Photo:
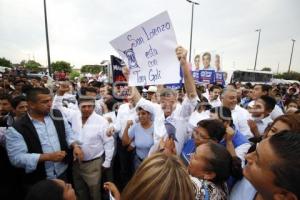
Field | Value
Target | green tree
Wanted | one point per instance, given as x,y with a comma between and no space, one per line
32,65
267,69
61,66
93,69
74,74
4,62
288,76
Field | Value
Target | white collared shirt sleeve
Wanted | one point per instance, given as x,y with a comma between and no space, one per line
108,144
58,104
117,124
241,152
240,118
276,112
188,107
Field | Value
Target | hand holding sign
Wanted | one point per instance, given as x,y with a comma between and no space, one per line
181,54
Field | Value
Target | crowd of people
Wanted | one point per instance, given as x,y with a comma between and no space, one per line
90,140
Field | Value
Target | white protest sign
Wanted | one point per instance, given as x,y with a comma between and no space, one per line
149,52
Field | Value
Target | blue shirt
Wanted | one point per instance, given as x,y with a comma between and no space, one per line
18,151
143,139
190,146
237,140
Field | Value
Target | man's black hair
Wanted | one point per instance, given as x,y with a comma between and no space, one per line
214,87
286,146
223,164
84,98
223,113
90,89
215,128
5,96
270,102
264,87
45,190
17,100
97,84
34,92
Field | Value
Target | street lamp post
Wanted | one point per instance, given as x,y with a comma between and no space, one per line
192,21
258,30
291,55
47,39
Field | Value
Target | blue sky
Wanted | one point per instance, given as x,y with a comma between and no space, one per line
80,30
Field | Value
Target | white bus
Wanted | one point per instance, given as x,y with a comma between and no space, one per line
245,76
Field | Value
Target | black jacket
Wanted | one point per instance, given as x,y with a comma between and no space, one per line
26,128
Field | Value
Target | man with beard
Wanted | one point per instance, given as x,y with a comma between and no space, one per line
214,96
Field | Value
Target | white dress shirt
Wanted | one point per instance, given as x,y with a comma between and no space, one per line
197,117
125,113
93,137
241,151
98,106
240,117
92,134
177,109
215,103
262,124
277,111
112,115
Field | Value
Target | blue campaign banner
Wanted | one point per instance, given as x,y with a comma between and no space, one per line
196,76
220,78
207,76
175,86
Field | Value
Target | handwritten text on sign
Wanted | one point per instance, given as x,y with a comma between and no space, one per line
149,51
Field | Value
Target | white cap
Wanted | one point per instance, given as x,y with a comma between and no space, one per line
152,89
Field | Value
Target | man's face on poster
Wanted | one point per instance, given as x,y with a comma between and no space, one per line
197,61
206,60
217,62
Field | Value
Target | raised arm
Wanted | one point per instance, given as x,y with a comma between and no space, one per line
189,83
126,140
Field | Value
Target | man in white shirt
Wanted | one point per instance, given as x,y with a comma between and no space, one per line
261,90
91,128
214,94
240,116
263,106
